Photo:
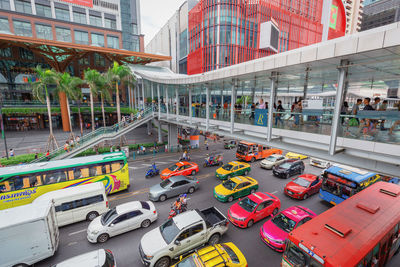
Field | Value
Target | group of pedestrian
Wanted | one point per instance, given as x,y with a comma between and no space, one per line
71,142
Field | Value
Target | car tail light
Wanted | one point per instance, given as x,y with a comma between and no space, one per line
226,223
154,211
197,182
107,204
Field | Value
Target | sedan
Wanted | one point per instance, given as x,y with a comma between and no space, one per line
303,186
292,155
100,257
233,168
180,168
253,208
173,186
121,219
230,144
235,187
271,161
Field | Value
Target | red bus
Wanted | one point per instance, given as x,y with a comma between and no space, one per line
361,231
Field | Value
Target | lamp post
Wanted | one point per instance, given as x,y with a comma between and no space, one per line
3,134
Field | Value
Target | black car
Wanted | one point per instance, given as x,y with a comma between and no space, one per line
288,168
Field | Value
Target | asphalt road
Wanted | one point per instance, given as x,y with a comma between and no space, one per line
125,247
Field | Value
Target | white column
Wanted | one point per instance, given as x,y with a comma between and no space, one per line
12,5
159,101
233,100
207,107
152,96
177,101
190,104
271,106
33,7
143,94
167,101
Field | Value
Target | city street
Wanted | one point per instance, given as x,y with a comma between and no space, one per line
125,247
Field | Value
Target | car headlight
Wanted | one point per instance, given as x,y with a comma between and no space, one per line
148,257
94,232
280,241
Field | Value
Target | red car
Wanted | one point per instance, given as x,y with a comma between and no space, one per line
303,186
253,208
180,168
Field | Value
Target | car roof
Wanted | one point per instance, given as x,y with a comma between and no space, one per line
178,178
187,218
90,259
259,197
292,160
235,163
129,206
296,213
72,191
241,179
308,176
276,155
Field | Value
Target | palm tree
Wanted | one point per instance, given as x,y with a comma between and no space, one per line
40,92
104,95
96,83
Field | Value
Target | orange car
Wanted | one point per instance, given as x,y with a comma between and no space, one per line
248,151
180,168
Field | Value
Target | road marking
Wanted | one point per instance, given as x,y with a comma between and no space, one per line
274,192
134,168
72,243
146,165
128,194
77,232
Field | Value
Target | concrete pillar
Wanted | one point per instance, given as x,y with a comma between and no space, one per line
190,104
271,105
167,101
305,88
152,97
177,102
143,94
338,104
233,100
207,107
172,136
149,127
159,131
64,112
159,101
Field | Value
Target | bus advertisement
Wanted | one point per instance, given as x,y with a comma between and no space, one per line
340,182
21,184
362,231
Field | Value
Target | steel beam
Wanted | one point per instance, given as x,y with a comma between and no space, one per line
177,101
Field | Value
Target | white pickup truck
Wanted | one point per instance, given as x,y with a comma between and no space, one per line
182,234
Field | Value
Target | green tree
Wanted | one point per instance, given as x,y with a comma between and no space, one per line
96,84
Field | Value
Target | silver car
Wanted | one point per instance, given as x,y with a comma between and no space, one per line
173,186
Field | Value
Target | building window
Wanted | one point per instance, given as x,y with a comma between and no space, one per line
134,29
84,61
99,60
112,42
62,14
98,39
4,25
26,54
183,44
136,44
44,32
22,28
95,21
44,11
80,18
6,52
23,6
63,35
5,4
110,23
81,37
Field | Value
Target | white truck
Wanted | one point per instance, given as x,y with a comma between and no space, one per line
182,234
28,234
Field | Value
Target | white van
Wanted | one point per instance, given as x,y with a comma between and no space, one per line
83,202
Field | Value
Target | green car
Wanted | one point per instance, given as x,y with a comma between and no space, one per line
230,144
233,168
234,188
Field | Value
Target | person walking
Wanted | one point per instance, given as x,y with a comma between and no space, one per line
226,109
278,115
66,146
48,155
355,109
206,143
11,153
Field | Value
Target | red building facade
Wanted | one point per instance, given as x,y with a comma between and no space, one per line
227,32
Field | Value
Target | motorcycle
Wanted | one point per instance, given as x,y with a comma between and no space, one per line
179,206
152,171
184,159
213,160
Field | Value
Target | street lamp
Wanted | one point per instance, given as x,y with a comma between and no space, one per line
3,134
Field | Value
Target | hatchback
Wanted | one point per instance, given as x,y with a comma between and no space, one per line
288,168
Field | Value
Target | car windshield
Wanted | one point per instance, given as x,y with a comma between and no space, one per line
227,167
231,254
284,222
272,158
188,262
169,231
295,255
173,168
302,182
242,149
229,184
285,165
108,216
110,262
247,204
165,183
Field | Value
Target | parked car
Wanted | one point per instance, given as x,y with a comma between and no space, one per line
271,161
121,219
288,168
173,186
303,186
230,144
235,187
100,257
253,208
292,155
226,254
181,234
180,168
275,231
233,168
320,163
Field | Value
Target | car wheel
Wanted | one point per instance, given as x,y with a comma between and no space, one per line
191,190
275,212
246,172
163,262
253,159
103,238
162,198
252,191
230,199
146,223
287,175
250,223
204,165
92,215
21,265
221,163
305,196
193,172
214,239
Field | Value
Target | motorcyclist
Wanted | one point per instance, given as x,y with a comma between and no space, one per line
183,201
185,156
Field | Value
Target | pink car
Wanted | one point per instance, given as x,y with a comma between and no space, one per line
275,231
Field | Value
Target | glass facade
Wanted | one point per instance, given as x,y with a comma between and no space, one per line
110,23
23,6
44,32
79,17
62,14
112,42
44,11
4,25
129,23
5,4
183,44
63,34
95,21
99,60
81,37
98,39
22,28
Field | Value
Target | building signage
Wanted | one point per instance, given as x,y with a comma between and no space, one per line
261,117
334,16
88,3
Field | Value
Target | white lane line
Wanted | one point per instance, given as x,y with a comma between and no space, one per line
274,192
161,162
133,168
72,243
77,232
146,165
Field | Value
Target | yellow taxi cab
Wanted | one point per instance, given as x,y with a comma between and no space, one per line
292,155
234,188
233,168
226,254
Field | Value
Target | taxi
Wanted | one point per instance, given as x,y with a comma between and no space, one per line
292,155
233,168
234,188
226,254
180,168
303,186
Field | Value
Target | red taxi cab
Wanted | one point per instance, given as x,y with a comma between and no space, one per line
180,168
303,186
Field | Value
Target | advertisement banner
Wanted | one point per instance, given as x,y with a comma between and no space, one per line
261,117
88,3
333,18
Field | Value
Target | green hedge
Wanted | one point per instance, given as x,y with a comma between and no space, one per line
42,110
25,158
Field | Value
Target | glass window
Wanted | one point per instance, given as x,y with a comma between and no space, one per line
63,35
82,38
135,29
197,229
80,18
5,4
23,6
112,42
62,14
110,23
6,52
44,11
100,61
95,21
98,39
22,28
183,44
4,25
44,32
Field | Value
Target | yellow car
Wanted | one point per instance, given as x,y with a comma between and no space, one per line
215,255
233,168
292,155
235,187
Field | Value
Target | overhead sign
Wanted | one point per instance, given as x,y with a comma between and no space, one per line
88,3
261,117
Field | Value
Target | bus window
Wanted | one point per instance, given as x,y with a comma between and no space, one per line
99,170
55,177
106,168
92,170
115,166
18,182
4,187
71,175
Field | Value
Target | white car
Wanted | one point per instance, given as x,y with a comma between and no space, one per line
320,163
121,219
271,161
100,257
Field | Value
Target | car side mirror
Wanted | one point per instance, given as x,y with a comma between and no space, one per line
112,225
177,242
